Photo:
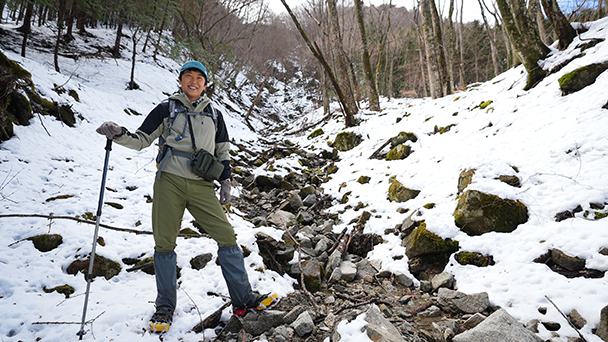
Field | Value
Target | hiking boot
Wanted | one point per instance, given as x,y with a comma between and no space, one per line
258,303
161,320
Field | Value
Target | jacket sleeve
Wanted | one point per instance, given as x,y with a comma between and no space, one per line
222,145
152,128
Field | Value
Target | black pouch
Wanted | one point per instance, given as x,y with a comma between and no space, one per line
206,165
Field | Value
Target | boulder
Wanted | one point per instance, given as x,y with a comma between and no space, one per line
399,152
346,141
602,329
402,137
443,279
46,242
427,252
581,77
200,261
399,193
465,179
456,302
102,267
256,324
380,329
478,213
348,271
303,325
500,326
282,218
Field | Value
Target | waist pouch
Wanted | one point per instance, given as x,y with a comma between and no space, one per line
206,165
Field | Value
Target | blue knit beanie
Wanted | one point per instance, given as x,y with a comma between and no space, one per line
194,65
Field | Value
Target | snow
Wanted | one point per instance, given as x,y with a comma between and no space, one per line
557,143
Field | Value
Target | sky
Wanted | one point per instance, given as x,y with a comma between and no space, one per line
557,143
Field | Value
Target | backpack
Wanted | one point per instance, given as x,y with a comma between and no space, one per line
165,151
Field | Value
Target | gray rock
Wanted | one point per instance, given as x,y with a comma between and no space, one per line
474,320
403,279
305,217
303,325
551,326
602,330
334,261
283,333
533,325
310,200
365,270
321,246
443,279
348,271
426,286
292,315
380,329
457,302
282,218
295,201
499,326
603,250
256,324
577,320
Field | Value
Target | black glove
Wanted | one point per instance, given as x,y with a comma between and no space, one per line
110,129
225,196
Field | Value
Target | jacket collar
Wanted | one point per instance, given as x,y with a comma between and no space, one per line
181,97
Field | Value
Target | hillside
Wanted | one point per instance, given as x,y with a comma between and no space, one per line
555,145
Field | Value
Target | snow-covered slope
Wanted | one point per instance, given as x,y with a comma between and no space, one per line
557,143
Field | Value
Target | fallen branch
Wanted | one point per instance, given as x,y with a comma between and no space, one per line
126,230
567,319
377,152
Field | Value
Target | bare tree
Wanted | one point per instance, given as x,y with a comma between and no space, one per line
431,50
374,102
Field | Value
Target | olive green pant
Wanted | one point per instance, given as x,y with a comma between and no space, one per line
173,194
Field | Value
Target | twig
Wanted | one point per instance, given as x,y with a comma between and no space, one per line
127,230
567,320
195,306
310,297
42,123
377,152
87,322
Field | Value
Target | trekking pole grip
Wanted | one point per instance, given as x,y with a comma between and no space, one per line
108,145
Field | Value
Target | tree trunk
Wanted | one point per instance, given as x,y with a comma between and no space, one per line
60,18
374,102
600,13
342,64
26,28
430,49
134,39
451,49
116,49
537,13
561,26
440,50
495,58
3,3
463,79
525,39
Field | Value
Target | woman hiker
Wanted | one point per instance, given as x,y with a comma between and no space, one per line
185,124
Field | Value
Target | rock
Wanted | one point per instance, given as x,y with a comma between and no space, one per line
551,326
568,262
402,137
478,213
465,179
432,311
603,250
443,279
346,141
576,319
602,330
474,258
295,202
303,325
305,217
399,193
292,315
102,267
379,329
404,280
510,180
321,246
200,261
46,242
500,326
581,77
457,302
365,270
426,286
276,254
309,200
399,152
474,320
428,253
282,218
256,324
282,334
348,271
333,262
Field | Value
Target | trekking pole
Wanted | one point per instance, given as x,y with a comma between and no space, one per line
99,205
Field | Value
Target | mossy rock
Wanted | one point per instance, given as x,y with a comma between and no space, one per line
331,169
399,152
102,267
474,258
65,290
465,179
346,141
485,104
50,199
200,261
581,77
363,180
315,133
402,137
46,242
421,242
428,253
189,231
478,213
74,94
399,193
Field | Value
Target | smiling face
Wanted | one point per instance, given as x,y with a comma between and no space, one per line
193,83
